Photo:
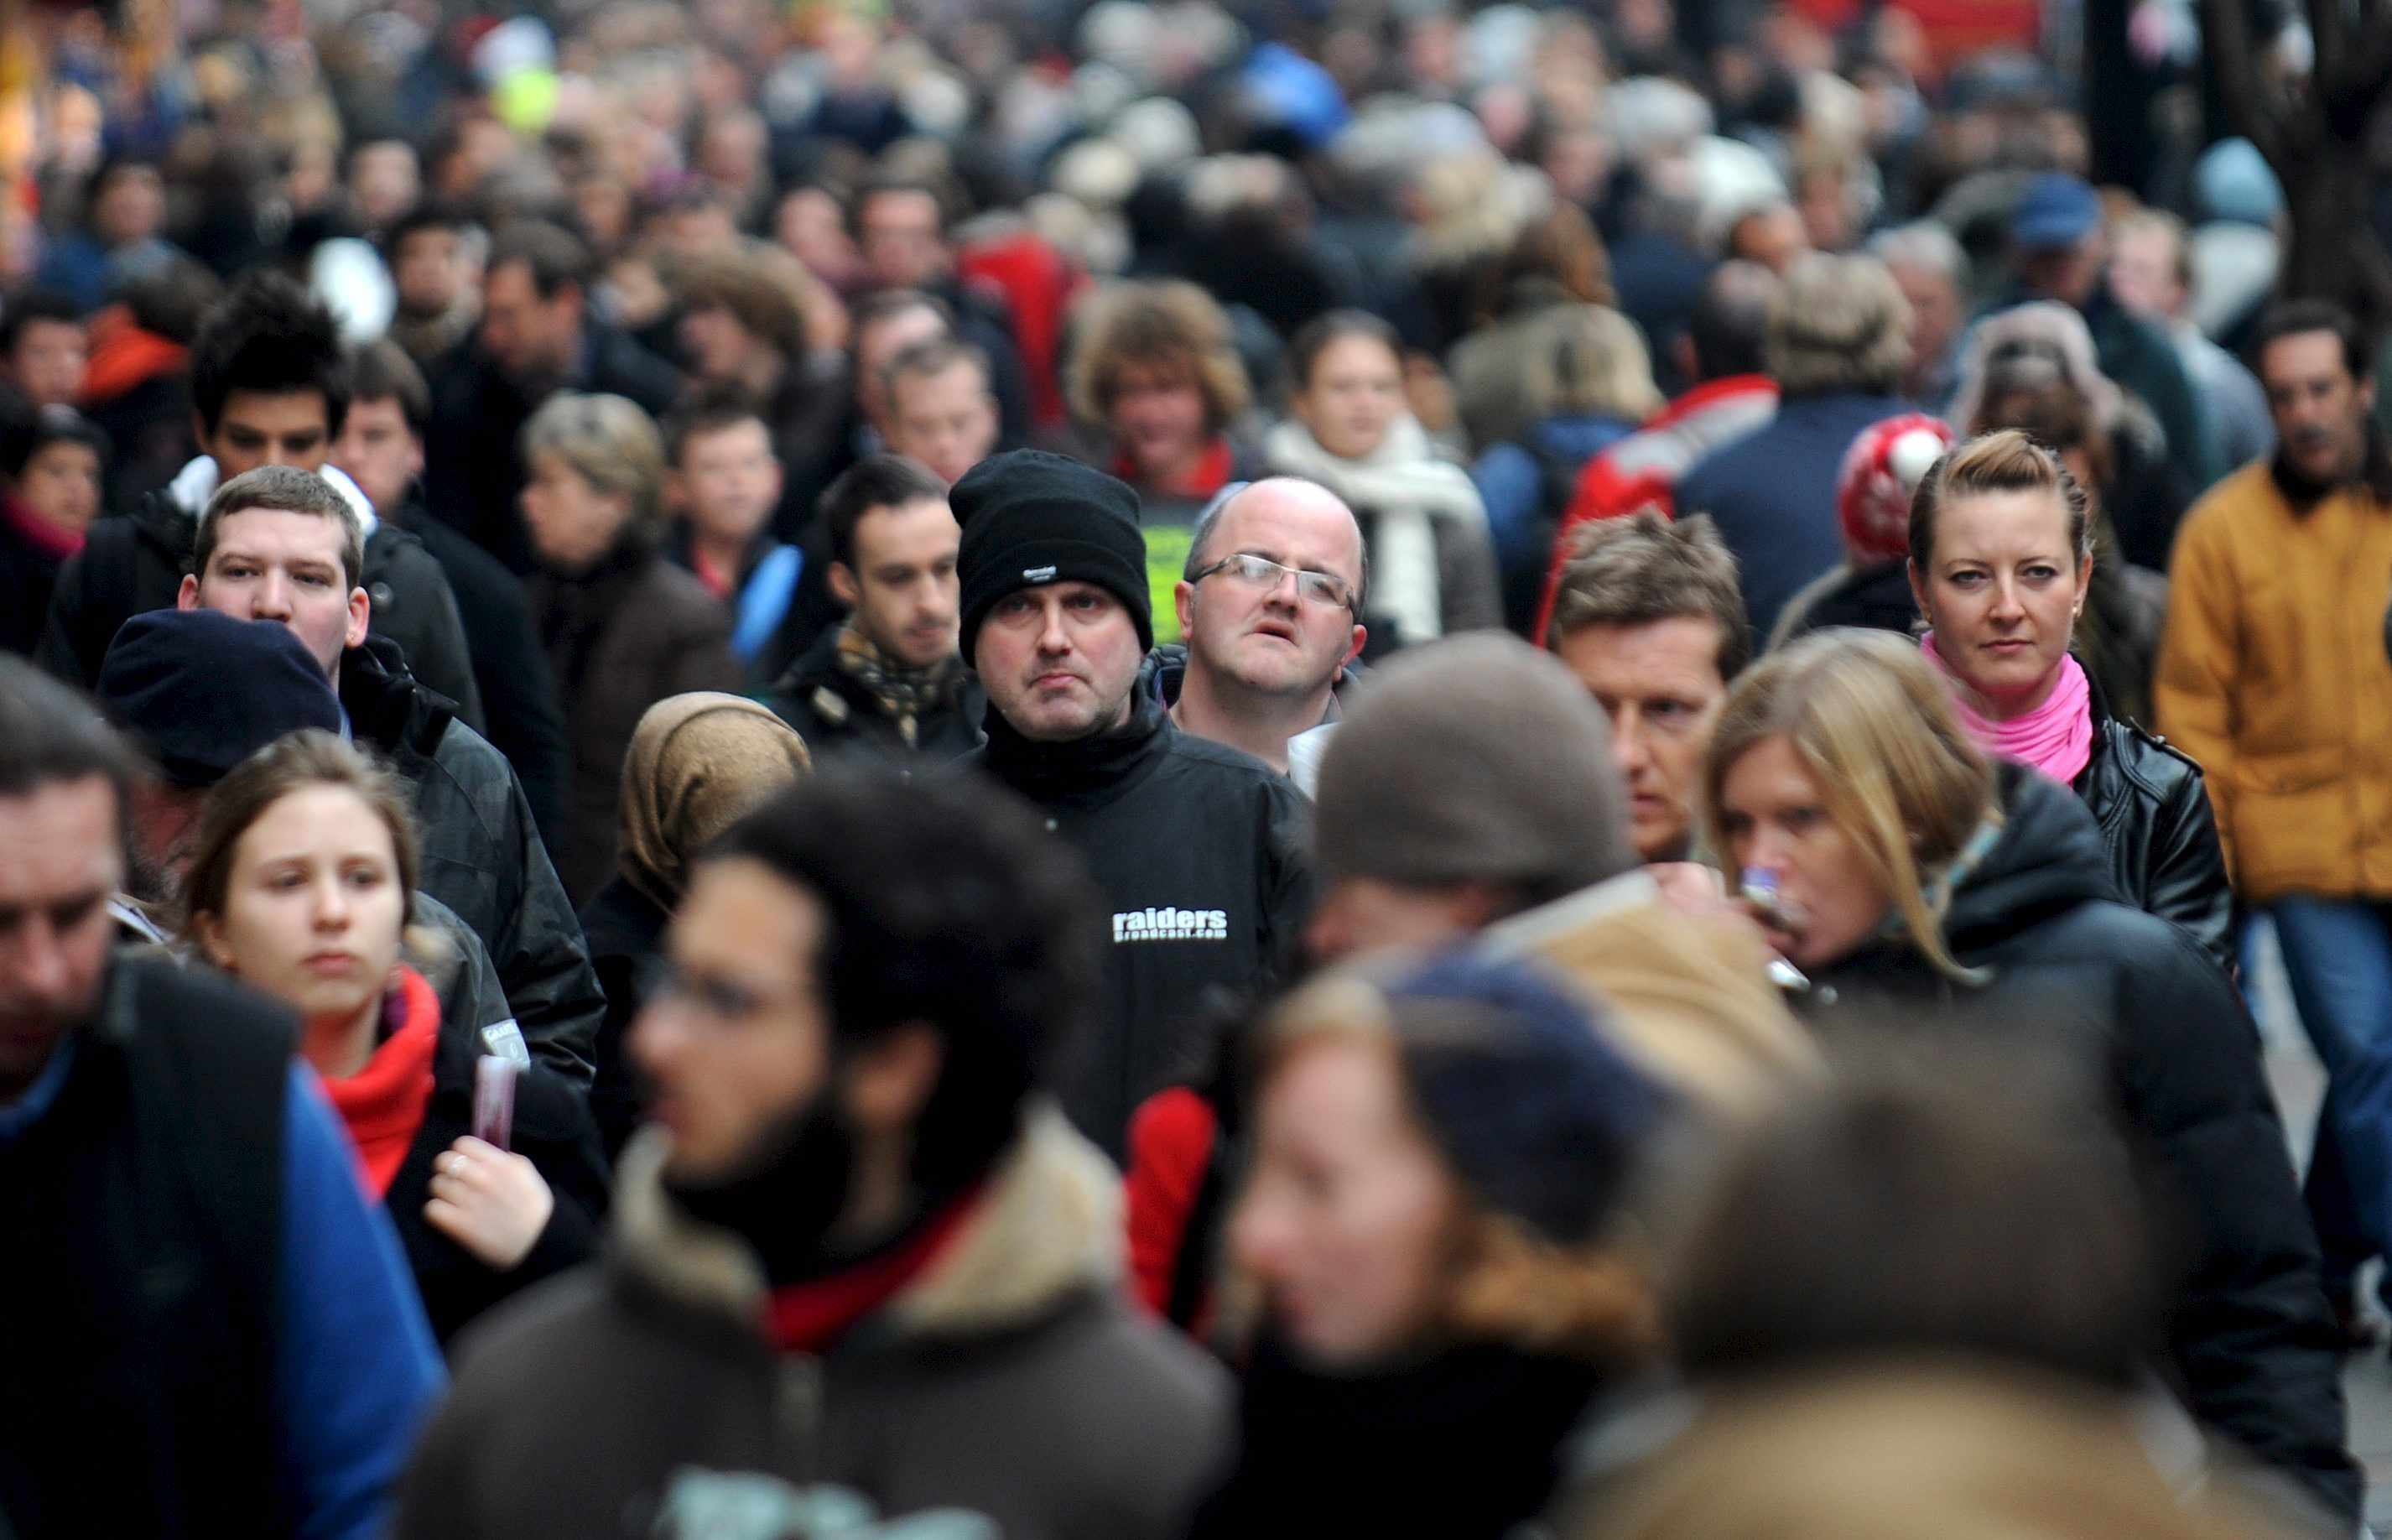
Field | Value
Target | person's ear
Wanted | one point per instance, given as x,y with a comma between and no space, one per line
843,586
891,1078
1183,599
676,490
209,930
1362,635
1917,587
188,595
360,616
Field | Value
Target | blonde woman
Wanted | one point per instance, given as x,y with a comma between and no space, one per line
1926,889
623,626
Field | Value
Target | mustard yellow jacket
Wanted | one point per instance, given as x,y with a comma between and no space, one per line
2273,674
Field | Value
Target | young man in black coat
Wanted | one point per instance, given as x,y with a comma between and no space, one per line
1197,847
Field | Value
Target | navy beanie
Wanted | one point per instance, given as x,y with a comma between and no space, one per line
204,691
1030,518
1541,1117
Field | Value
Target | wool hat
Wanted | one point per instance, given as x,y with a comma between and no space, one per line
2055,210
1519,1086
1883,467
204,691
1031,519
1473,758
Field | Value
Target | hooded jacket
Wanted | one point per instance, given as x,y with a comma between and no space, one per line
482,856
1199,851
1010,1381
134,562
2251,1345
837,716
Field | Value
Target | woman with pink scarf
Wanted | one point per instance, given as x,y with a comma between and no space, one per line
2001,556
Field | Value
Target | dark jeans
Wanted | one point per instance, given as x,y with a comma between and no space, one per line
2338,959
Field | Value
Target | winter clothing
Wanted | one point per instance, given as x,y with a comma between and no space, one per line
1643,470
1432,556
2273,675
481,856
1876,597
1029,517
1172,1153
697,764
2251,1345
1525,482
1009,1381
625,928
1199,851
473,455
30,554
203,691
1543,806
1772,492
1883,467
2234,406
621,636
2056,737
276,1362
2159,831
134,562
758,590
844,698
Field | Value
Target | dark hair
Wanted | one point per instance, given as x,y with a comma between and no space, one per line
1637,571
551,253
1730,326
282,489
877,481
2292,318
51,733
269,335
936,355
1313,338
428,216
879,187
944,902
174,298
35,305
711,409
759,301
381,371
24,434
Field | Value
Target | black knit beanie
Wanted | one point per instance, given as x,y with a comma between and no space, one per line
204,691
1030,518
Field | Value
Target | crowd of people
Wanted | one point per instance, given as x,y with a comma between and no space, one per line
1176,769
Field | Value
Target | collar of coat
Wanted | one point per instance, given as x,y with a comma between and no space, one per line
1048,1229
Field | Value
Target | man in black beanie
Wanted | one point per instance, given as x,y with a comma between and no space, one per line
1197,848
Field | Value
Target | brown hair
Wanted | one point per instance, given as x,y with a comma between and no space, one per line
1838,324
309,757
747,288
1633,571
283,490
1872,722
2007,461
1166,324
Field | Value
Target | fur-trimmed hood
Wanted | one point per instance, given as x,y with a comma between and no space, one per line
1047,1228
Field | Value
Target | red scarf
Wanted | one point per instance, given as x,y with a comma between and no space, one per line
38,532
809,1317
381,1105
1209,474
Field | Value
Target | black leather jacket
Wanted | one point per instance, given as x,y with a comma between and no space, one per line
2159,830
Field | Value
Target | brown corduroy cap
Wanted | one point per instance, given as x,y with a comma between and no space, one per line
1475,758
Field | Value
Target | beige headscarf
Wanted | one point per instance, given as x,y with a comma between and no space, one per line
697,764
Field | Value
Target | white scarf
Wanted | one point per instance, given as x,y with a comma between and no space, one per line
1407,489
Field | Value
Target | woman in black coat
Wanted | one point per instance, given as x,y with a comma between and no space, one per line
1924,889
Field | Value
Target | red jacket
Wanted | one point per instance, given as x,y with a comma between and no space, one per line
1171,1140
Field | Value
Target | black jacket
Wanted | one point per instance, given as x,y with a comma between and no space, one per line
28,573
2250,1341
838,716
2159,830
552,1128
472,464
526,724
1200,852
482,856
134,562
625,930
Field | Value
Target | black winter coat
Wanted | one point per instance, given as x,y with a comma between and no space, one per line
2251,1344
134,562
552,1128
625,928
482,856
837,716
1200,852
2159,830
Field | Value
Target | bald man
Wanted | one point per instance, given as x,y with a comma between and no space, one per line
1271,607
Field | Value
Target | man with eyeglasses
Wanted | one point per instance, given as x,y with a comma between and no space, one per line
1197,848
1270,607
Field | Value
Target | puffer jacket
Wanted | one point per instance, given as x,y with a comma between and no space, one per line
2251,1345
2273,677
832,710
1010,1381
2158,830
482,855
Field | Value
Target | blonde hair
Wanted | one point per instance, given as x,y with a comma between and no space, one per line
1872,722
1839,323
609,442
1166,324
1588,359
2004,460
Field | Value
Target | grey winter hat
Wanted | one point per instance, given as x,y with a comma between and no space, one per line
1475,758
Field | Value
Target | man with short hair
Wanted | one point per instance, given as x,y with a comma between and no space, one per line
1723,351
538,336
211,1321
862,1269
1649,617
742,328
942,412
269,387
1931,269
2273,675
1197,847
281,544
901,231
43,348
386,178
431,251
722,483
887,684
2151,273
1271,608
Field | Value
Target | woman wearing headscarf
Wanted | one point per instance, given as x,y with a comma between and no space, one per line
697,764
